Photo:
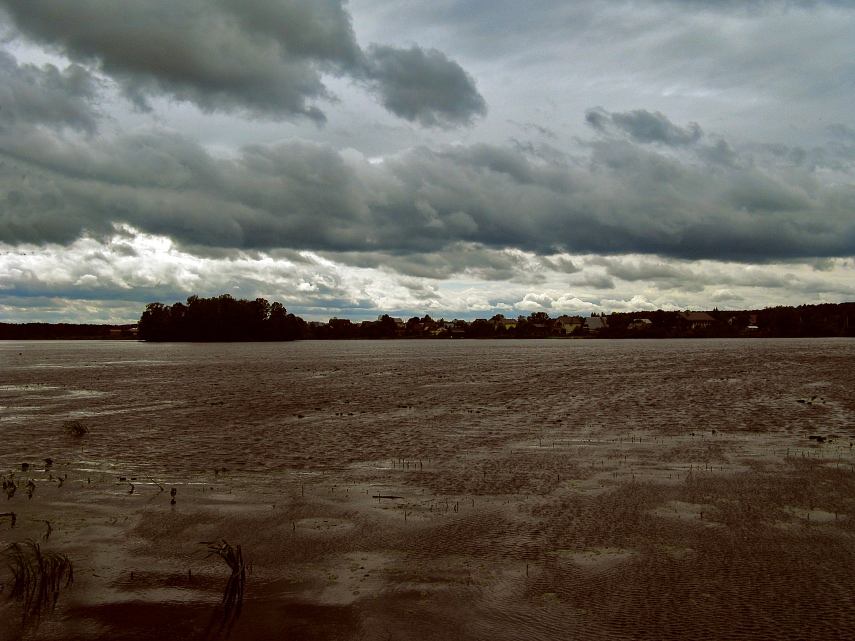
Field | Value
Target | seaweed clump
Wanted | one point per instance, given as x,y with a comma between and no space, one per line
75,428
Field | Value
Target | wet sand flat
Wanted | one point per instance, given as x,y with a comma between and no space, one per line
438,490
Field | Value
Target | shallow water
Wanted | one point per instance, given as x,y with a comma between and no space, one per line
547,489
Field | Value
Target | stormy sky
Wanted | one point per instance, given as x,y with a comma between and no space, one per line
457,158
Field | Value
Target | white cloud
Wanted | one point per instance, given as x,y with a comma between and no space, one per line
130,268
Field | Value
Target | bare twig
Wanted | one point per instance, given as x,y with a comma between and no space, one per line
155,482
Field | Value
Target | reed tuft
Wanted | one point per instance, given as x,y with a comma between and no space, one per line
37,576
232,601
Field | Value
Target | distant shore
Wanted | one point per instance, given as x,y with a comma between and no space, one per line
65,331
225,319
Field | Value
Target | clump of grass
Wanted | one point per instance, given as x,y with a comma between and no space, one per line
37,576
75,428
232,601
9,486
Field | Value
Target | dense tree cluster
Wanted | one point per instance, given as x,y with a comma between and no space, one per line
220,319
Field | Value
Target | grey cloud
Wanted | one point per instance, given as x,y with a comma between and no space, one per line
458,258
196,50
561,264
420,290
521,163
720,153
598,118
628,198
823,264
787,55
644,126
662,275
756,7
531,126
544,152
634,270
423,86
841,131
47,95
264,58
593,279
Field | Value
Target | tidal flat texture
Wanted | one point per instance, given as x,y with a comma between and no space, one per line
682,489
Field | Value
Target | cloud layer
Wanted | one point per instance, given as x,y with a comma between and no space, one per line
643,185
112,278
262,58
47,95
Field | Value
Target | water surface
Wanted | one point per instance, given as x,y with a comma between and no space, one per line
602,489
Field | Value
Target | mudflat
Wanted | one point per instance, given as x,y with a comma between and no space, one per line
436,490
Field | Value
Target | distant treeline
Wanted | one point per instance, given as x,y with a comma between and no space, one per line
804,321
61,331
823,320
220,319
228,319
225,318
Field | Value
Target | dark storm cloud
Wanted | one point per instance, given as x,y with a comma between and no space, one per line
424,85
47,95
458,258
265,57
626,197
644,270
644,126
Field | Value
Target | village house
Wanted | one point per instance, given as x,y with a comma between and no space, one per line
639,324
694,320
506,323
595,324
567,324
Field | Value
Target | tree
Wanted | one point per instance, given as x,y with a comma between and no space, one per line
539,318
388,327
153,322
220,319
480,329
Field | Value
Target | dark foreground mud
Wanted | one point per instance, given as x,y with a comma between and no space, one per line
549,490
